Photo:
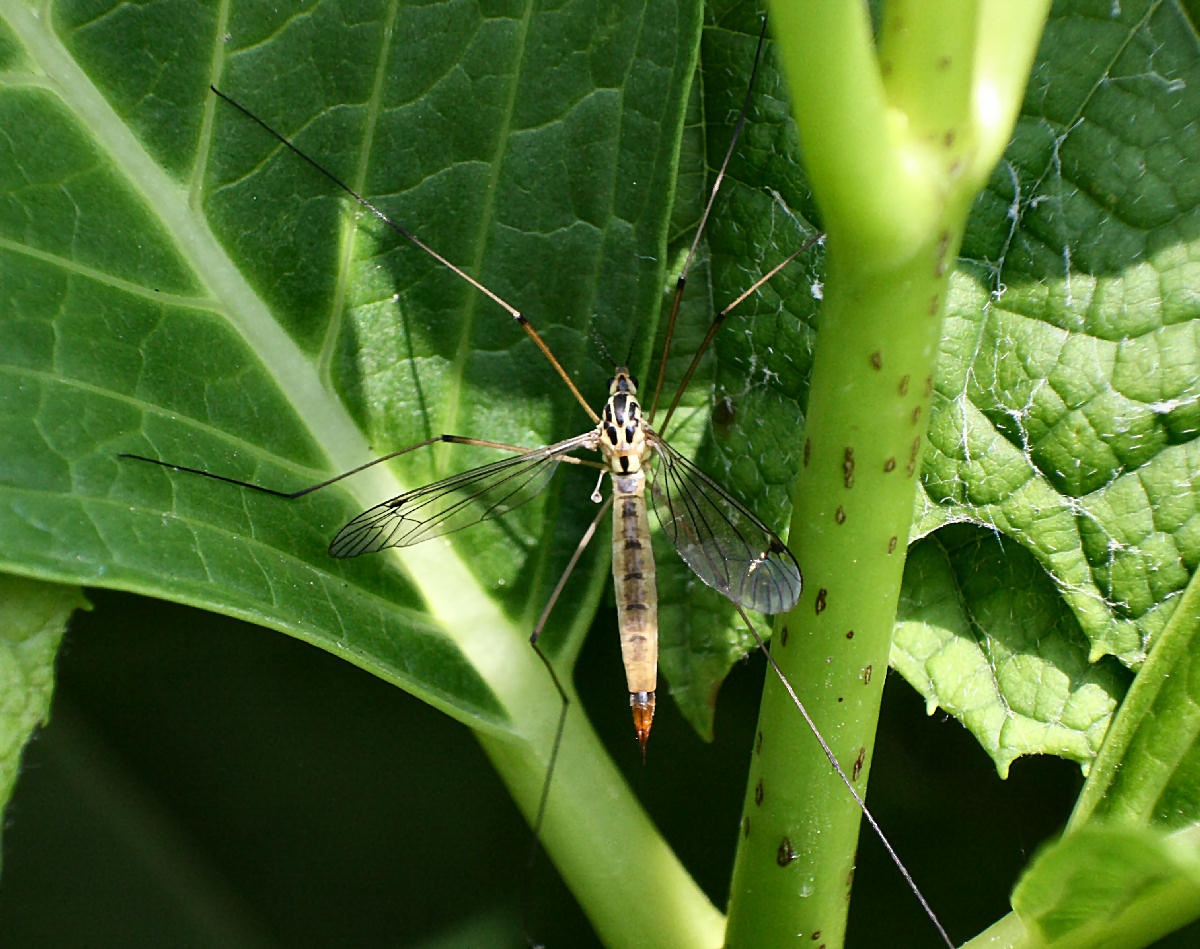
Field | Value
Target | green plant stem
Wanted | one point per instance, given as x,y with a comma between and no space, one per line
624,874
869,401
893,148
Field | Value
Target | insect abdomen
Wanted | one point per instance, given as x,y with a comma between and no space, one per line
637,596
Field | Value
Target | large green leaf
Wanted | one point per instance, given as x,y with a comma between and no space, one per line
179,285
1069,401
183,287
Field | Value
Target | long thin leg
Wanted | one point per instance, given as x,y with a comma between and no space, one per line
409,236
887,845
720,318
681,281
562,693
292,495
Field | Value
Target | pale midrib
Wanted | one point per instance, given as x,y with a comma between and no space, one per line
457,601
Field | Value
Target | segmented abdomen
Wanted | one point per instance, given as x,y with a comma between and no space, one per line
633,577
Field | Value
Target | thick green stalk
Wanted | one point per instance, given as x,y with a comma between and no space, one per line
624,874
869,401
896,144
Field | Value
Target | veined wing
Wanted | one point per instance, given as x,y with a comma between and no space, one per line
727,546
453,503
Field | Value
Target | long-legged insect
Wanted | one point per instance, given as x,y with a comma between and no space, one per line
724,543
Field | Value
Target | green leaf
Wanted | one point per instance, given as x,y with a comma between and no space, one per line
1068,403
33,617
1110,887
978,611
1147,770
179,285
185,288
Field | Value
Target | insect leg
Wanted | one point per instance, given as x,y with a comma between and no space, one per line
720,318
562,693
411,237
292,495
887,845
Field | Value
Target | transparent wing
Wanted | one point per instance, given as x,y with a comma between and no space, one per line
728,547
453,503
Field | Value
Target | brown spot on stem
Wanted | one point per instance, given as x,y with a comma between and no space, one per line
746,827
758,744
783,636
934,305
840,515
928,386
849,634
912,456
807,451
877,360
942,260
858,764
948,138
892,545
916,415
848,467
904,384
820,604
785,854
867,674
758,792
889,466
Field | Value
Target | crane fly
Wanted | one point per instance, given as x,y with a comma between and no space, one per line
723,542
726,545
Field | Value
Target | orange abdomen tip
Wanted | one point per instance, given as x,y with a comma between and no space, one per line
642,704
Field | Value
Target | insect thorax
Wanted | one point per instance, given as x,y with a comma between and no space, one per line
622,437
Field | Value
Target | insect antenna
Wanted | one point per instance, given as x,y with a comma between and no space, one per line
411,237
599,341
